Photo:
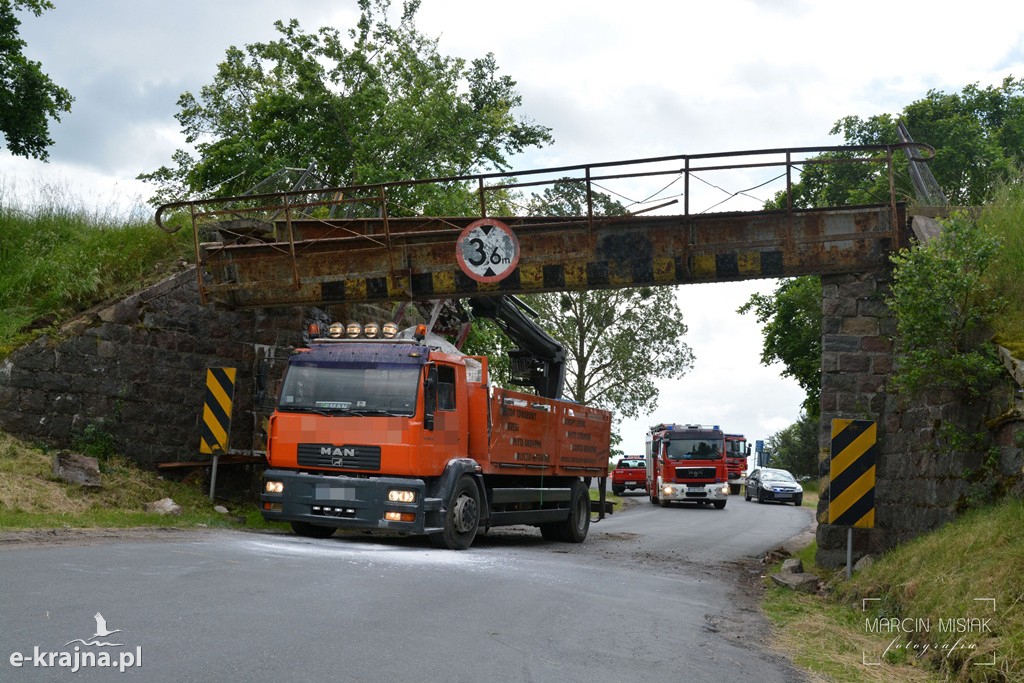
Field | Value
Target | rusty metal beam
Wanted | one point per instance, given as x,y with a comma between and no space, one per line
358,260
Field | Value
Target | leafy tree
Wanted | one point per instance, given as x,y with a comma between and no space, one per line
978,136
795,448
617,341
28,98
941,301
386,107
791,325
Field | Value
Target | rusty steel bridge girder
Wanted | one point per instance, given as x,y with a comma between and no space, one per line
286,248
326,261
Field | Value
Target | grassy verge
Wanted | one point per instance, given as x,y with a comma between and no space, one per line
31,497
947,606
61,261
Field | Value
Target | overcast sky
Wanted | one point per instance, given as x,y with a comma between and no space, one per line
612,80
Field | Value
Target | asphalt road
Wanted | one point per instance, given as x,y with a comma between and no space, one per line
653,594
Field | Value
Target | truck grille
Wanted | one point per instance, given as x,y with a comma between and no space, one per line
347,457
694,473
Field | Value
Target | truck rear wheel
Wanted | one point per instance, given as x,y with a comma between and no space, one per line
617,490
462,518
575,528
312,530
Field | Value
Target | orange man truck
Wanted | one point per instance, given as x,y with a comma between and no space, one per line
406,434
686,463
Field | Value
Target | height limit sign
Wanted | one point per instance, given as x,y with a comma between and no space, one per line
487,250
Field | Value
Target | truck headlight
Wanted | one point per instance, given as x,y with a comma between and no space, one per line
274,486
401,496
668,490
725,489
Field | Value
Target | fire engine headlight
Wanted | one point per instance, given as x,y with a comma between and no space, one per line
274,486
668,490
725,489
401,496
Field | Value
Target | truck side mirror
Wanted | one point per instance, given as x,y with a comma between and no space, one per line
429,397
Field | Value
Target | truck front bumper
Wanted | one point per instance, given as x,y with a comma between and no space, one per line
693,492
348,502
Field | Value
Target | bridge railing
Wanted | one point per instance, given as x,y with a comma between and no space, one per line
380,200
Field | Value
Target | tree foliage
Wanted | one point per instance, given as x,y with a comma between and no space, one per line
28,97
978,136
617,341
941,301
791,324
384,105
795,448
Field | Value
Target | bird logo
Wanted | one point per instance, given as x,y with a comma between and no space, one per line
101,632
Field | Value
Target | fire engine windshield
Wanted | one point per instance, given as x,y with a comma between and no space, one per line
351,389
694,449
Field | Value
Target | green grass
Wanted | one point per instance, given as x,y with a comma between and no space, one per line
1004,218
934,578
31,497
58,262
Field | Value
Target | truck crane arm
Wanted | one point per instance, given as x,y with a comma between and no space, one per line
539,360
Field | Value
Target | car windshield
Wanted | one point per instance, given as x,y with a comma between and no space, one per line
351,389
694,449
778,476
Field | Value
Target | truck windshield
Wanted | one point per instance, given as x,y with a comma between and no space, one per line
694,449
351,389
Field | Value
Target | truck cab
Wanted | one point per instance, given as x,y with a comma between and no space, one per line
406,435
686,463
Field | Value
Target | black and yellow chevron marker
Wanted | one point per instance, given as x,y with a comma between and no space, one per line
851,490
220,392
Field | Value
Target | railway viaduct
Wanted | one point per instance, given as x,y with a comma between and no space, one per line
135,369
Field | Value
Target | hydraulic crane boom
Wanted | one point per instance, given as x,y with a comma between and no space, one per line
540,359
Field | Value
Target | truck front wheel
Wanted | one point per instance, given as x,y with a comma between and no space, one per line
462,518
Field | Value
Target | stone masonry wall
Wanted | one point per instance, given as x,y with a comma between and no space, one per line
136,370
919,475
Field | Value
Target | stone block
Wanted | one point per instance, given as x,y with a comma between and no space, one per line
860,326
805,583
164,506
792,565
840,343
854,363
75,468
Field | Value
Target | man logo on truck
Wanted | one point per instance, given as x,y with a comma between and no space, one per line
338,453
